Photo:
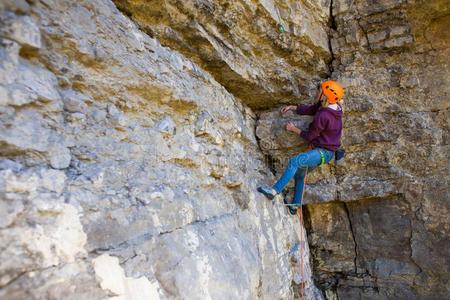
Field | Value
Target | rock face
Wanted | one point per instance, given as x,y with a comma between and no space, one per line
132,139
378,224
127,171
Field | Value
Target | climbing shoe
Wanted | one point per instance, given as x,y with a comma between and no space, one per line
292,208
269,192
339,156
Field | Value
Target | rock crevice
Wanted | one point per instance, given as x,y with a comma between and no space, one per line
353,237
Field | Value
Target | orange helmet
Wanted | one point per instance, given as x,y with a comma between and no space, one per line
332,90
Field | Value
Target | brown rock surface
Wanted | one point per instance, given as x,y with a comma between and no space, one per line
389,238
239,43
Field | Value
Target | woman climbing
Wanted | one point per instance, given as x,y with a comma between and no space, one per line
324,135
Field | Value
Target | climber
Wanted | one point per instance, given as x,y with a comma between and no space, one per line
324,135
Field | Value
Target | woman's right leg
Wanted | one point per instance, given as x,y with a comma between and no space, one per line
300,178
299,185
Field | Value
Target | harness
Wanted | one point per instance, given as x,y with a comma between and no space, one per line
322,156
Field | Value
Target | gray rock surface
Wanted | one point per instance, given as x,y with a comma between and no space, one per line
127,171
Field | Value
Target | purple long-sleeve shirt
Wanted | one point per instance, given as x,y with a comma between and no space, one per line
325,130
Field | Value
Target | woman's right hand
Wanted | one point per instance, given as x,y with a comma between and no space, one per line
288,108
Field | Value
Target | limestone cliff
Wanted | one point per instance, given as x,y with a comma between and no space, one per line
133,135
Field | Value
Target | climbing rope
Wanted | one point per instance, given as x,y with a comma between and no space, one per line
301,238
302,246
302,242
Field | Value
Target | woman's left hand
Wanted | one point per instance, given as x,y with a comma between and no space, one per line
291,127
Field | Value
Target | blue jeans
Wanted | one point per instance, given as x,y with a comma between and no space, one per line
298,166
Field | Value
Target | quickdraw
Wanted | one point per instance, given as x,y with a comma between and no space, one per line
322,158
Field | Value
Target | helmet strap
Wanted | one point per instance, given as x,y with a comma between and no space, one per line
323,100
